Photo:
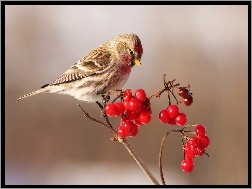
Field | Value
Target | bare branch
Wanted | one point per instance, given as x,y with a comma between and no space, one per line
124,141
139,161
104,115
161,154
107,126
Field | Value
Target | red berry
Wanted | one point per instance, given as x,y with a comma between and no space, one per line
200,151
183,92
120,108
195,142
187,166
123,121
129,127
145,117
135,105
200,130
188,101
140,95
190,150
131,115
164,116
121,132
138,122
146,104
181,119
172,121
204,141
135,132
126,105
173,111
189,158
127,95
111,110
149,110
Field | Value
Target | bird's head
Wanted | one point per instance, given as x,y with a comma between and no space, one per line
128,49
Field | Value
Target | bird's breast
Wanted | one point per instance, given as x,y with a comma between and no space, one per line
125,70
120,77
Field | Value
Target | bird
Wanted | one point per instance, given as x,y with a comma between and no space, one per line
106,67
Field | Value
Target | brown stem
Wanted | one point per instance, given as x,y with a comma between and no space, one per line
157,93
125,143
169,98
107,126
160,158
207,154
161,154
116,99
139,161
104,115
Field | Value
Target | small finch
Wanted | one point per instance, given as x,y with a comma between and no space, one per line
105,68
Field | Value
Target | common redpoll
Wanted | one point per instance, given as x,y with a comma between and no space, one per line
105,68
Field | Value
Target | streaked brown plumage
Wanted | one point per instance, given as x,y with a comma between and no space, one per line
104,68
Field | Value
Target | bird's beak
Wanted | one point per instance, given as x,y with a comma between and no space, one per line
137,62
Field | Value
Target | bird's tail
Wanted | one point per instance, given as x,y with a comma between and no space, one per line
32,93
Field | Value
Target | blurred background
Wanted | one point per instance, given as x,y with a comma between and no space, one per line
48,141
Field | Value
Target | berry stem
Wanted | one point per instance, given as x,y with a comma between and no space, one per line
104,114
169,87
157,93
161,154
116,98
160,159
207,154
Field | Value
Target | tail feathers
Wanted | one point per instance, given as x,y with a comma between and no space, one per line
32,93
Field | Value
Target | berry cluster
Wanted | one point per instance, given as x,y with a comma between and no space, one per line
172,116
186,96
195,146
134,110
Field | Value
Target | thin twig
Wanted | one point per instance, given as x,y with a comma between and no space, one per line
160,159
104,115
139,161
157,93
169,98
125,143
107,126
161,154
116,98
207,154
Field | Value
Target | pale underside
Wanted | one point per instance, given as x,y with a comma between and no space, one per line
90,88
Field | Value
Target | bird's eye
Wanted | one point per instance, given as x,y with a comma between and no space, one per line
131,52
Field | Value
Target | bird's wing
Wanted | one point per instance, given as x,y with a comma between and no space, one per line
97,61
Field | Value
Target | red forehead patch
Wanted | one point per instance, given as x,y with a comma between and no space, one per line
138,48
